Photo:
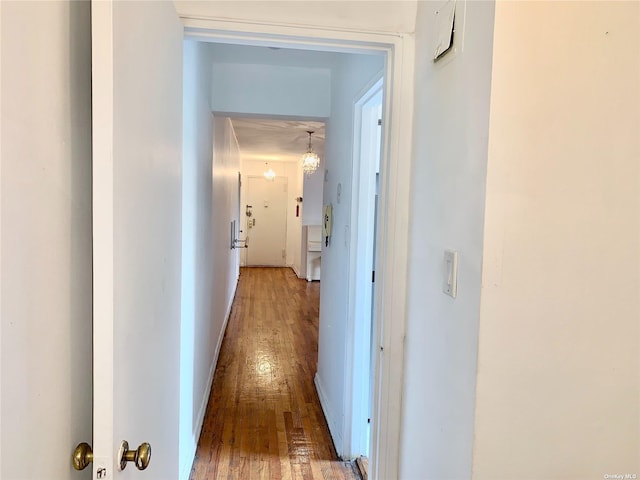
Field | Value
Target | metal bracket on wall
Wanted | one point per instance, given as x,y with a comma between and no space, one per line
237,243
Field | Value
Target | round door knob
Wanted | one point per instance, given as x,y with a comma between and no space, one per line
82,456
140,456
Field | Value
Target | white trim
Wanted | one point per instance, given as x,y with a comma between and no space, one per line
391,261
212,369
1,271
393,236
185,470
102,75
324,403
357,365
231,26
295,270
305,37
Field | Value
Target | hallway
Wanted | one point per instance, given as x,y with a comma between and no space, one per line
264,419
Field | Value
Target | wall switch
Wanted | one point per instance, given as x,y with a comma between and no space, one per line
450,271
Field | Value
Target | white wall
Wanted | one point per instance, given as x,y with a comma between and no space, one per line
312,201
258,81
46,238
451,126
210,267
385,16
224,204
197,151
270,89
348,79
261,81
558,371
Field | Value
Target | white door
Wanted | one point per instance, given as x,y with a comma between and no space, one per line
45,238
137,135
266,226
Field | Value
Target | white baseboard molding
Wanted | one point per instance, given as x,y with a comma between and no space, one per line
296,271
185,471
334,427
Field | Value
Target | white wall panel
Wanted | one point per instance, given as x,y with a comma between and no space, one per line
451,127
558,370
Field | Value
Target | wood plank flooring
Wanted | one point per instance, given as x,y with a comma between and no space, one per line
264,419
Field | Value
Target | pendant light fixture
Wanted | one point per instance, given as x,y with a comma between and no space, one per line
269,174
310,159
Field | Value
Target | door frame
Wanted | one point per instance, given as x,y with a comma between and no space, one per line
361,264
393,227
286,218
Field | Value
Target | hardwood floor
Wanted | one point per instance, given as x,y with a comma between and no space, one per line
264,419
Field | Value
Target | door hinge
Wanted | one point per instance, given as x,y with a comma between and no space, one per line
379,122
373,276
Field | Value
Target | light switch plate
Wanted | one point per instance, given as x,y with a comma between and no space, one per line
450,271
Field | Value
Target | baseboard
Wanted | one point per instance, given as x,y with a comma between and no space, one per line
185,471
296,271
334,429
214,364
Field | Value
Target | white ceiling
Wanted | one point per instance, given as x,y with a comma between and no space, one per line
277,140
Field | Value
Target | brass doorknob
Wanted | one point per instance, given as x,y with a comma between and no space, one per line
82,456
141,456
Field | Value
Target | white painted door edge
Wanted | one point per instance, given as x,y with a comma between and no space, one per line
102,226
394,198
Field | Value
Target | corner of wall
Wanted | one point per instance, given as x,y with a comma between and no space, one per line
450,154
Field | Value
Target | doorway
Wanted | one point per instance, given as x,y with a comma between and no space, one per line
112,23
366,166
338,80
338,191
271,148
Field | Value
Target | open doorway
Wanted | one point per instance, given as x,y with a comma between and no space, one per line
357,71
281,207
270,156
158,55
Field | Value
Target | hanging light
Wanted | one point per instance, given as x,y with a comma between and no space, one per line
310,159
269,174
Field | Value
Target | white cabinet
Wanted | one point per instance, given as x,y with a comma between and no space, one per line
314,251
